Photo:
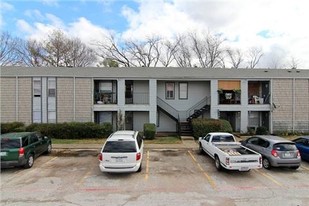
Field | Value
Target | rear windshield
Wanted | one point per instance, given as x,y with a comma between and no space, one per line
285,147
119,147
7,143
223,138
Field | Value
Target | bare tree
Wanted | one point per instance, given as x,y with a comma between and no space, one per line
168,55
8,54
235,57
30,52
254,54
110,50
293,63
208,50
183,55
146,53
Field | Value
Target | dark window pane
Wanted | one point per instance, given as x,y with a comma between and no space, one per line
119,147
9,143
285,147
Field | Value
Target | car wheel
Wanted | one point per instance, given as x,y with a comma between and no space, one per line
49,149
218,163
266,163
200,149
295,168
29,162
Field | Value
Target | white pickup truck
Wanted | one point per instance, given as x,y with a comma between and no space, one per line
229,153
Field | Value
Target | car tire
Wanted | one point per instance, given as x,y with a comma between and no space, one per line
218,163
200,149
49,149
29,162
295,167
266,163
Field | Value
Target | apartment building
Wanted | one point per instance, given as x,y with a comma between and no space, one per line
169,97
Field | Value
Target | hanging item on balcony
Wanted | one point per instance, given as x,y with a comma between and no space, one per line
228,95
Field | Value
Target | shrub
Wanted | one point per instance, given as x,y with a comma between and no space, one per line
73,130
201,127
261,131
149,130
12,127
225,126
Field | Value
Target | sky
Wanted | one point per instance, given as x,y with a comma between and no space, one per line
279,27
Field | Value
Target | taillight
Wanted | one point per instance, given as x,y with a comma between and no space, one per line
227,161
138,156
274,153
21,152
100,157
260,160
298,154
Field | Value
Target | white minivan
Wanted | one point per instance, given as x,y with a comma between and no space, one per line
122,152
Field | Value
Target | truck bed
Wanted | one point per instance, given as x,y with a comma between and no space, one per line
235,150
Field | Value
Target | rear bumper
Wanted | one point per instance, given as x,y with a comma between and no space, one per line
117,169
242,167
285,162
15,163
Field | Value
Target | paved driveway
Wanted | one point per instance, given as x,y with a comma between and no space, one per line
169,177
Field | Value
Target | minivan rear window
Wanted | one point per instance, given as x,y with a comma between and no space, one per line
7,143
119,147
285,147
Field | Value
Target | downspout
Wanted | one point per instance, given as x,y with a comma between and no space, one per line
16,99
293,105
271,107
74,99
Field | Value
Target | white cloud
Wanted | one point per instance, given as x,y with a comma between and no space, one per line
4,7
284,21
50,2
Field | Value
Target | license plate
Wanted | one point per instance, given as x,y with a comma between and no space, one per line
244,168
3,154
287,154
119,160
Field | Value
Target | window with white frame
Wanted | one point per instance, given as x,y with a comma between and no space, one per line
37,100
51,100
183,90
170,90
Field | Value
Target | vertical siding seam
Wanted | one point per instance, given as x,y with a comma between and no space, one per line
16,98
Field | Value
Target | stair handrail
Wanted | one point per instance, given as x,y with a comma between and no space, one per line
198,105
171,110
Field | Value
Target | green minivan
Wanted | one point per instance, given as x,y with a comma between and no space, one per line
21,148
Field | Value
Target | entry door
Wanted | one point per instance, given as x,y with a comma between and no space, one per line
129,120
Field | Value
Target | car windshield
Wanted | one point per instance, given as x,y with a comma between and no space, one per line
7,143
285,147
223,138
119,147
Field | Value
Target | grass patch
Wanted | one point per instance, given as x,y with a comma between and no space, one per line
164,140
157,140
78,141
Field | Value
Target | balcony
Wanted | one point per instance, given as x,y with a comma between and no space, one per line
137,98
229,96
105,97
258,92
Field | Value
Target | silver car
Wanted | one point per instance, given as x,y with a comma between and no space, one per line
122,152
276,151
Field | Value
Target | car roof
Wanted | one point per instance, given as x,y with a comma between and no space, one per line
124,134
272,138
305,137
220,133
15,135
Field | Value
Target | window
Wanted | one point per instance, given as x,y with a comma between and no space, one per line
37,87
51,87
170,90
183,90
